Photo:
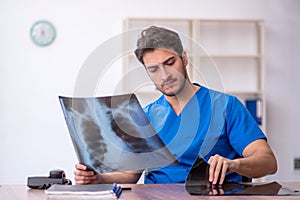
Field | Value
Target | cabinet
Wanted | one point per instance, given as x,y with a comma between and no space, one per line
225,55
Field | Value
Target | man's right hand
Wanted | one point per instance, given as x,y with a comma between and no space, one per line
84,176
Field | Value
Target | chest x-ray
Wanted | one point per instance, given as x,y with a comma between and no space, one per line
113,134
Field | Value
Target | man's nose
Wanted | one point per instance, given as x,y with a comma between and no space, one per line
165,73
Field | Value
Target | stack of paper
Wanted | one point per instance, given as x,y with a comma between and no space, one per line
96,191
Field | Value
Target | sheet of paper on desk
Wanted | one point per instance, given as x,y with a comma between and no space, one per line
113,134
197,184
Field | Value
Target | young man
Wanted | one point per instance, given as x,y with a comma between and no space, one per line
192,120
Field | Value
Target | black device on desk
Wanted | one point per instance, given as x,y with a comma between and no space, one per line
56,177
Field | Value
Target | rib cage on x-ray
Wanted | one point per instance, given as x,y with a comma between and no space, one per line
113,134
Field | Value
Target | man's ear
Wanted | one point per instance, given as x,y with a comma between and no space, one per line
184,58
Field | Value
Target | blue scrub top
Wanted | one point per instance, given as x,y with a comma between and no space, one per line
211,123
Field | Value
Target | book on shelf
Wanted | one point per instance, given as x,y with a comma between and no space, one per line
255,108
94,191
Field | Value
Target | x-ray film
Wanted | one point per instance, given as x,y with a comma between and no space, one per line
112,133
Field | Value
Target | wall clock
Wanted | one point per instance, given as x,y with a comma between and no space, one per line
42,33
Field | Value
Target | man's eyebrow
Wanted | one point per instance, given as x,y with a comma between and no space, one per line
165,62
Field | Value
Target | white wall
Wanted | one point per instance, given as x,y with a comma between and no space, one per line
33,134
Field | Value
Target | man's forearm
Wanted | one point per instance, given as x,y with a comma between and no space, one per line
258,160
255,166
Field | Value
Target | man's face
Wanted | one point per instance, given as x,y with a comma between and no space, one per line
167,70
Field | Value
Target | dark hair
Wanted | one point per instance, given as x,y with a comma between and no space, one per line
157,37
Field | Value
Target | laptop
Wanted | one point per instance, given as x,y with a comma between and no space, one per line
112,133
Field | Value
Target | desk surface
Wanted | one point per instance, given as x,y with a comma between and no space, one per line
138,191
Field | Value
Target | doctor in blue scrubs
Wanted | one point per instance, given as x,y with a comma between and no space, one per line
192,121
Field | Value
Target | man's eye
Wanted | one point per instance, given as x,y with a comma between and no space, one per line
170,62
152,69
